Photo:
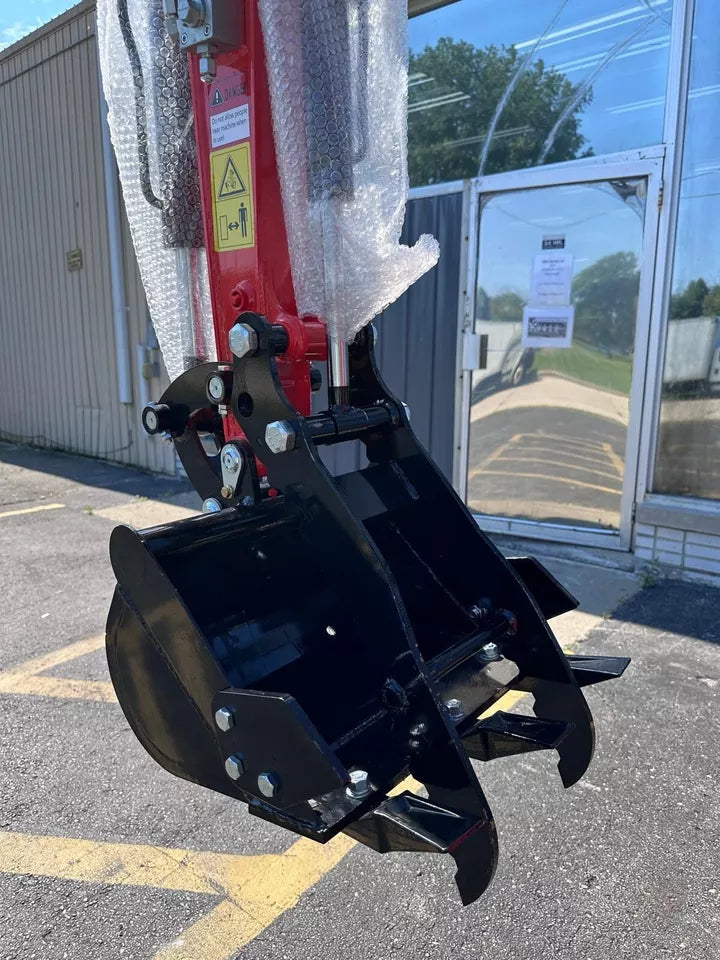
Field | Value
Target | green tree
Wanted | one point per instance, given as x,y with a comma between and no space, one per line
507,306
605,298
690,302
711,302
445,139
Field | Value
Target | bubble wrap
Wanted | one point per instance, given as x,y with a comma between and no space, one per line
147,89
338,83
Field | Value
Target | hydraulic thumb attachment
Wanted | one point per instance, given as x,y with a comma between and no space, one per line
320,638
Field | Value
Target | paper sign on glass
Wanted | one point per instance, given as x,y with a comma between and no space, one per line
548,326
551,279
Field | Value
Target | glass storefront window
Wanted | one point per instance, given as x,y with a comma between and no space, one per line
688,453
499,85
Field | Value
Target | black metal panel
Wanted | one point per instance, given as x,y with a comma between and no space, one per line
416,351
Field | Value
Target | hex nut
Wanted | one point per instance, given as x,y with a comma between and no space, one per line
224,718
207,65
268,783
455,709
491,651
280,436
359,785
235,766
242,337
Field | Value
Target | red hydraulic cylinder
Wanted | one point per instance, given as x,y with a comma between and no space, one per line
246,243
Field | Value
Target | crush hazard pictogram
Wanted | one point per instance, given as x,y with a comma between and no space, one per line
232,184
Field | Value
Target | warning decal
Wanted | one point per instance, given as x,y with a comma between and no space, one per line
233,215
232,183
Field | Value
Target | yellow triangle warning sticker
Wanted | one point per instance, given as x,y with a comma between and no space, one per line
231,184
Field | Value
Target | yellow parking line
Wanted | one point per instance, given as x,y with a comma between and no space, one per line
27,679
614,459
255,890
474,471
38,509
545,476
529,458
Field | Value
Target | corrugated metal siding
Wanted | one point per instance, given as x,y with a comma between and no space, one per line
417,344
58,380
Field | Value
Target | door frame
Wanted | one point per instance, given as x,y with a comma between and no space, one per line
647,163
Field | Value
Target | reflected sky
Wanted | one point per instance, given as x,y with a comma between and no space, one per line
623,46
591,216
619,49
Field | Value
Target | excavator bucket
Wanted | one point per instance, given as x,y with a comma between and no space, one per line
319,639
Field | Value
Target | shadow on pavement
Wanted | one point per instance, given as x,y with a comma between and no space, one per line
93,473
673,606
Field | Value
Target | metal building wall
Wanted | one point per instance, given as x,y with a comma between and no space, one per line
58,378
417,345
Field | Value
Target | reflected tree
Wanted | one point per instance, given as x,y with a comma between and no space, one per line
605,298
455,88
696,300
690,301
507,305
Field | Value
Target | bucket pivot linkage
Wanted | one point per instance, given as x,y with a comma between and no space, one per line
317,639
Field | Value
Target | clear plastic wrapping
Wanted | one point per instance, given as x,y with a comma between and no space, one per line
147,89
338,81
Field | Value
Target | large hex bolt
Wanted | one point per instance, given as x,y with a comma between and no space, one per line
280,436
224,718
235,766
268,783
243,340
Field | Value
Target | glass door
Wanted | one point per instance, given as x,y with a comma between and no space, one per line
561,308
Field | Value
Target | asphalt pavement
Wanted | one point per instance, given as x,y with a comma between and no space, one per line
105,855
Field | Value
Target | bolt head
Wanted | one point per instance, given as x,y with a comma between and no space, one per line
455,709
280,436
231,458
224,718
216,387
211,505
268,783
359,785
491,651
235,766
243,339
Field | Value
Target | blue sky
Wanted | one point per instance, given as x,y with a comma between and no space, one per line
19,19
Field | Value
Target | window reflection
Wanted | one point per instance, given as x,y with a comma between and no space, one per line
688,456
548,425
493,90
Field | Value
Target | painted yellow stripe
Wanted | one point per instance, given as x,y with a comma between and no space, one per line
545,476
38,509
256,889
27,679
